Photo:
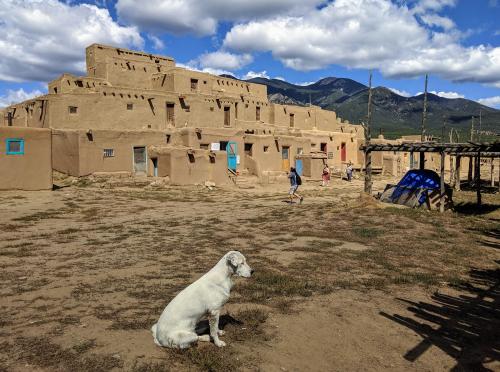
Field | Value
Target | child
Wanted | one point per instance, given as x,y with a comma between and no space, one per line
325,176
294,185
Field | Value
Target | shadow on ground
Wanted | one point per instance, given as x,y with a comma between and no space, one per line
473,209
466,327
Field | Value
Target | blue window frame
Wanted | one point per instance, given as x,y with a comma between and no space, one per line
14,146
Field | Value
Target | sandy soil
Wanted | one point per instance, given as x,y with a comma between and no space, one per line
341,284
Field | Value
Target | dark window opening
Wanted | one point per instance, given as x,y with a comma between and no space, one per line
9,119
167,138
170,114
79,83
130,106
198,135
236,110
55,90
204,146
322,147
194,84
191,158
257,113
73,109
266,148
248,148
227,117
212,159
292,120
223,145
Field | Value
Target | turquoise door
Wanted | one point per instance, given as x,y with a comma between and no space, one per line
232,152
298,166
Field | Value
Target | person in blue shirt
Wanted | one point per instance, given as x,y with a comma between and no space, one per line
294,185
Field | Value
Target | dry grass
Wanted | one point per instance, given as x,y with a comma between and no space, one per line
114,258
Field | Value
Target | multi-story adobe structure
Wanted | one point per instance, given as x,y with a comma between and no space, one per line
137,112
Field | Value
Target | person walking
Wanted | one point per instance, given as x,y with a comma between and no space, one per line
295,182
325,176
349,170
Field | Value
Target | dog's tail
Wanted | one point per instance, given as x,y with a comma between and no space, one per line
153,331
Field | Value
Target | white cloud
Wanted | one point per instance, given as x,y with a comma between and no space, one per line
491,101
449,95
438,21
158,44
15,96
223,60
41,39
305,83
202,17
255,74
402,93
371,34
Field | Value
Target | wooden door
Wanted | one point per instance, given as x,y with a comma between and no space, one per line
140,165
343,152
285,158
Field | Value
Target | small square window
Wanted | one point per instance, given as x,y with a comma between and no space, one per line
130,106
15,146
194,84
73,109
168,138
109,153
266,148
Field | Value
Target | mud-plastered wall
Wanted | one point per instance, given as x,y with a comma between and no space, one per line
25,159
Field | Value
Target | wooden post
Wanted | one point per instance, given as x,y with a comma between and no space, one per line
424,119
443,190
368,136
457,173
469,175
478,178
492,172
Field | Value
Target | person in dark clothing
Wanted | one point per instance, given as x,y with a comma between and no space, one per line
294,185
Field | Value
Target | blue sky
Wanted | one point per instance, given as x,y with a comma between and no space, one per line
456,41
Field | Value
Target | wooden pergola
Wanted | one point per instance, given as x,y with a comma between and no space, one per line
459,150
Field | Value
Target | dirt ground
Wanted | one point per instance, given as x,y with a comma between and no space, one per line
341,283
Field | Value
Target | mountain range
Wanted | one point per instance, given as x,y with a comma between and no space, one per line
394,115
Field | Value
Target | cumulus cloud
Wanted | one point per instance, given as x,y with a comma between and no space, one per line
402,93
202,17
224,60
255,74
449,95
371,34
14,96
491,101
41,39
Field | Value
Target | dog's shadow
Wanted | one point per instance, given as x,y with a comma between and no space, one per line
203,327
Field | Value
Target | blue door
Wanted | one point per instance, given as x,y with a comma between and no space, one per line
232,152
298,166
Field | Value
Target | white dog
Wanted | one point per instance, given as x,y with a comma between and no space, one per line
206,296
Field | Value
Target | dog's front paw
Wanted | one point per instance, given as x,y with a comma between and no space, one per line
220,343
220,332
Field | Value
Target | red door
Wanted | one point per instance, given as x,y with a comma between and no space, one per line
343,154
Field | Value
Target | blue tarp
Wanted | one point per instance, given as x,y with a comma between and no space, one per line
415,180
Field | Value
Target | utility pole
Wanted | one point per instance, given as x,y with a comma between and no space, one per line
424,120
480,124
368,137
469,176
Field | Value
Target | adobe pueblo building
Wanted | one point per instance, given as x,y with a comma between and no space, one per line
138,113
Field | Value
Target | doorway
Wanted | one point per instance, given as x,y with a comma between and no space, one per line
140,165
171,114
155,166
343,153
232,155
227,116
285,158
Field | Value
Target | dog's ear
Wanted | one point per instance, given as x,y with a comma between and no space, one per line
233,261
